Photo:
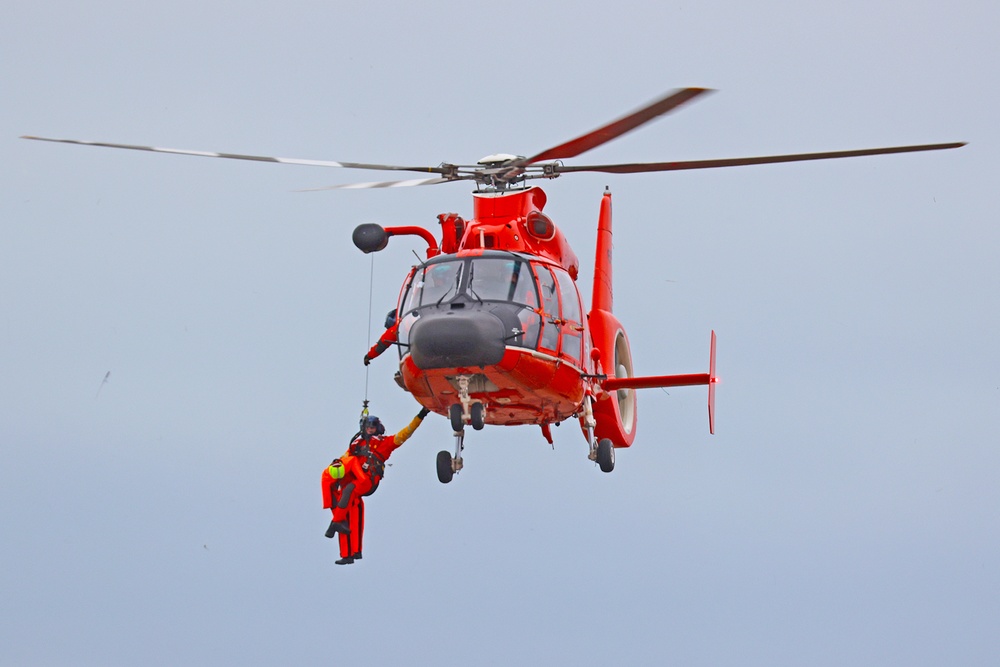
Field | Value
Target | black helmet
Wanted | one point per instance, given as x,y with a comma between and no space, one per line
372,420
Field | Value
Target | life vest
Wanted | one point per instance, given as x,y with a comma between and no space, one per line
371,464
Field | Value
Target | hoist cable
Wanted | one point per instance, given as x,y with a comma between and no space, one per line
368,332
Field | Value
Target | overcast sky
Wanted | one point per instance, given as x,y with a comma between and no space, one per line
845,512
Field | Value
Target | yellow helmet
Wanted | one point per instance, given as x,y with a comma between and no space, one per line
336,469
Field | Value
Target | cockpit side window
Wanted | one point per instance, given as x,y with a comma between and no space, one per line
550,306
550,297
572,316
522,289
571,310
404,313
406,294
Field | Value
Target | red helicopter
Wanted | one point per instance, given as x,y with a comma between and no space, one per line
491,328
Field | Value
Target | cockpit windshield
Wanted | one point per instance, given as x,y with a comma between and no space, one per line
501,279
502,283
478,279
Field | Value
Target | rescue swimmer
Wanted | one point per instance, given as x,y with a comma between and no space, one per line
356,474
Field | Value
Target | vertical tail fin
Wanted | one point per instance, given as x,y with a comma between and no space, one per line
712,380
603,298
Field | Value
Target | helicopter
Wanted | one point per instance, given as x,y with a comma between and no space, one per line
490,328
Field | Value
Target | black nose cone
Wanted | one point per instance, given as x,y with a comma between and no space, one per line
453,338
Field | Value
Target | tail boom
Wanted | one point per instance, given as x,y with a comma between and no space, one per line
683,380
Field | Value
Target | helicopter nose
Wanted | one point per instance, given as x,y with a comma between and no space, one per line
455,338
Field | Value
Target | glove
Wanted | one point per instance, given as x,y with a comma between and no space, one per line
367,360
423,412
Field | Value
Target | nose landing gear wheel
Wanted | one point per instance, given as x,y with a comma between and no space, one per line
455,413
606,455
444,467
476,416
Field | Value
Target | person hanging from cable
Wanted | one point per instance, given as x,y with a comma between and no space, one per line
355,475
333,484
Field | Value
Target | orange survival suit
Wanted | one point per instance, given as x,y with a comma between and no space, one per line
357,474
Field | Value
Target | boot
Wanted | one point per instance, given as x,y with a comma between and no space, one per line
336,526
345,561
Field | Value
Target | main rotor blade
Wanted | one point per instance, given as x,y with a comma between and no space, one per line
255,158
384,184
616,128
637,167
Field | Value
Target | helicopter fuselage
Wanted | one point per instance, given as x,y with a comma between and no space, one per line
498,319
494,317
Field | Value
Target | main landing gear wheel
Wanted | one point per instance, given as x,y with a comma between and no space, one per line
476,416
605,455
455,413
444,467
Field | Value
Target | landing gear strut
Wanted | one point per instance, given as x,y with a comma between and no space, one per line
461,413
603,452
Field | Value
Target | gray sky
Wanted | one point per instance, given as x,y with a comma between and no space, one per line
846,510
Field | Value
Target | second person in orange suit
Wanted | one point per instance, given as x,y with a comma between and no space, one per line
333,484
